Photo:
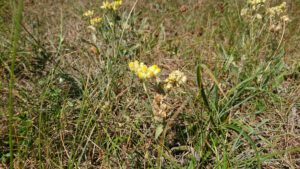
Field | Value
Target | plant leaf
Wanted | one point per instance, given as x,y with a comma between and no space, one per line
240,131
200,86
158,131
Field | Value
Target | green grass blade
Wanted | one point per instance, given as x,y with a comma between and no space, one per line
17,19
201,88
240,131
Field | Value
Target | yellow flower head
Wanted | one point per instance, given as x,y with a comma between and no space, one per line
133,66
175,78
105,5
153,71
142,75
142,71
277,10
111,5
256,2
95,21
88,13
116,4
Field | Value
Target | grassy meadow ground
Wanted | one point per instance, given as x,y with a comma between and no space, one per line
77,104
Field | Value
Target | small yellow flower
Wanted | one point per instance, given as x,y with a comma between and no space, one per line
168,86
88,13
153,71
95,21
175,78
142,68
106,5
256,2
111,5
116,4
277,10
142,71
142,75
133,66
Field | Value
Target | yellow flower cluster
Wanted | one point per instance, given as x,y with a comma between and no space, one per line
253,7
275,16
142,71
111,5
88,13
277,10
278,18
175,79
256,2
95,20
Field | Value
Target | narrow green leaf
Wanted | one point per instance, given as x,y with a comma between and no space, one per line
201,88
240,131
158,131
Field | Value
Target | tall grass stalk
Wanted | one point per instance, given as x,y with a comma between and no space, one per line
16,29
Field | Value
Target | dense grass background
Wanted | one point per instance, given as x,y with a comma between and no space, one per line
77,105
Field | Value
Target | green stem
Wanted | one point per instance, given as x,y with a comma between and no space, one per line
17,18
146,91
